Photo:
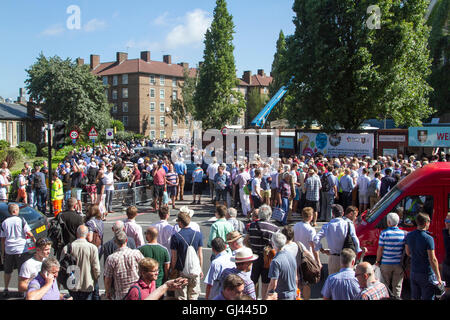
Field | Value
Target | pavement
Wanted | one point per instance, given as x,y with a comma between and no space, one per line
204,216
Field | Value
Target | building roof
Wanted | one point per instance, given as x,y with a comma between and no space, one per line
141,66
11,111
257,80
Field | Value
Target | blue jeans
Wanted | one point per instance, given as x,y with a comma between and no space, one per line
108,200
285,207
422,287
41,197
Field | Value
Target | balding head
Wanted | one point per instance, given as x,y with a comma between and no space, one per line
118,226
151,234
82,232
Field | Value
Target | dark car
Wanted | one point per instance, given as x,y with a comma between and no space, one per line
190,168
37,221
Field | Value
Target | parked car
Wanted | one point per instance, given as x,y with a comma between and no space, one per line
37,221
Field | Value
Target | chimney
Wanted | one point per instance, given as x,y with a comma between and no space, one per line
95,61
185,65
121,57
261,73
21,98
247,77
145,55
80,62
167,59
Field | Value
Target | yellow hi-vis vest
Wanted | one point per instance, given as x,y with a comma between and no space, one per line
57,190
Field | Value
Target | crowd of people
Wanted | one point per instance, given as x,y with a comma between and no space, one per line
167,260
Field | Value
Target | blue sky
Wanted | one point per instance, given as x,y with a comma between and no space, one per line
177,27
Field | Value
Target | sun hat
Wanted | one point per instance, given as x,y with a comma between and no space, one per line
244,255
185,209
233,236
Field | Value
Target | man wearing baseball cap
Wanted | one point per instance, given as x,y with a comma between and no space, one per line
244,260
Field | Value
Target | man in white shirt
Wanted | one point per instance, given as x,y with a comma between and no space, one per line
108,181
32,266
14,231
4,184
363,184
165,230
211,172
241,180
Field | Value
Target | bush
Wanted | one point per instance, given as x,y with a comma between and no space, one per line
11,156
4,144
44,152
38,162
29,148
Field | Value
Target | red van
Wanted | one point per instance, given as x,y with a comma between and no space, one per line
424,190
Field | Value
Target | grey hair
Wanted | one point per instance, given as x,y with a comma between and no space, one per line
278,240
82,231
49,263
232,212
265,212
120,238
118,226
392,219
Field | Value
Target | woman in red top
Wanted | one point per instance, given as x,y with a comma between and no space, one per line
148,271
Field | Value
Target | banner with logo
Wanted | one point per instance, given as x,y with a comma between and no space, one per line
429,137
336,144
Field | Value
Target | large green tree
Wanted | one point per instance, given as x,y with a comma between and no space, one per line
255,102
69,92
217,102
440,52
348,70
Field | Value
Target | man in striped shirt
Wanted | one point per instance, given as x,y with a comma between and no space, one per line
391,246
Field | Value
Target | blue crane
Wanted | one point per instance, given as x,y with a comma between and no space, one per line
261,118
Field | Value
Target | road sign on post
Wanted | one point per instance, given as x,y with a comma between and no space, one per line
109,134
93,135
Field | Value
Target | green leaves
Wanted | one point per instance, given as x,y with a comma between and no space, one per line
215,99
346,72
69,92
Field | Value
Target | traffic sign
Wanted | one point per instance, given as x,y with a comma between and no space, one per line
93,134
109,134
224,131
74,134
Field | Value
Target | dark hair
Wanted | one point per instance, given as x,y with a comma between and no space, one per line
221,211
163,212
350,209
218,244
232,281
288,231
422,219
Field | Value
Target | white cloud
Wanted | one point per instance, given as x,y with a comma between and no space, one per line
162,20
191,31
94,25
143,45
54,30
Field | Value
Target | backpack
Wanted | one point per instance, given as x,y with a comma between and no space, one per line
348,241
372,188
55,233
307,266
96,238
192,266
67,276
138,289
325,183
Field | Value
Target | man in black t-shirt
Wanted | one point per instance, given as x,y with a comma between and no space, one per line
72,220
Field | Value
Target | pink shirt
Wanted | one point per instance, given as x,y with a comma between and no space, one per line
160,177
144,289
133,230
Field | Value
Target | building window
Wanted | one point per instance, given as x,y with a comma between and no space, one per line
114,94
162,94
125,93
125,79
174,95
3,131
162,121
152,121
162,134
106,93
125,121
152,107
152,93
125,107
114,108
174,82
152,79
162,107
152,134
105,80
162,80
115,80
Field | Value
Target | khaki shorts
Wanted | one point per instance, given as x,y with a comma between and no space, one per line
266,194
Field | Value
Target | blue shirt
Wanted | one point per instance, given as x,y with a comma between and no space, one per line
393,242
177,243
346,183
335,232
332,181
221,262
341,286
419,242
284,268
180,167
197,175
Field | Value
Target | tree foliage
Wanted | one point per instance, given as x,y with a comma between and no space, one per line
181,109
69,92
346,72
255,102
216,100
440,52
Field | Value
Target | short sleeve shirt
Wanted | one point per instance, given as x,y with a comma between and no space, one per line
160,254
283,268
177,243
30,268
419,243
39,282
15,233
304,233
